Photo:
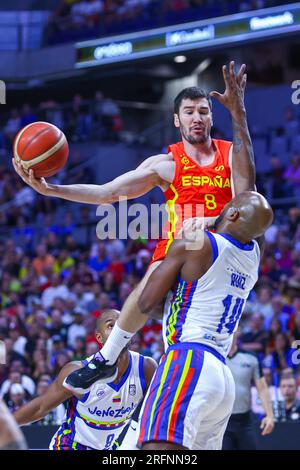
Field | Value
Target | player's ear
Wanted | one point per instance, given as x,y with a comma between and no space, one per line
233,214
99,338
176,121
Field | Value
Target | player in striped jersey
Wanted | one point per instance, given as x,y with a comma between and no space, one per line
192,393
96,420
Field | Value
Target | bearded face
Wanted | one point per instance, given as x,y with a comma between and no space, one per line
194,120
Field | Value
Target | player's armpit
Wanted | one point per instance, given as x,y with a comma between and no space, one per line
163,278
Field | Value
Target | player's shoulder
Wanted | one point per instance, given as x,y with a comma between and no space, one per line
163,157
155,160
222,142
149,362
66,370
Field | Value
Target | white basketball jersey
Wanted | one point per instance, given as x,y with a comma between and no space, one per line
99,417
208,310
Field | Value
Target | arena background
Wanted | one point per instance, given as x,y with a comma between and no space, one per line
106,73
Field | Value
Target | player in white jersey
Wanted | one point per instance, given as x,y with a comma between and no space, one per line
191,396
95,420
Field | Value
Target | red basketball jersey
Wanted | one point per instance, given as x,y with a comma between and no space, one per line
196,191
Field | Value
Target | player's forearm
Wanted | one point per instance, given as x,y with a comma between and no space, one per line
31,412
130,185
83,193
243,165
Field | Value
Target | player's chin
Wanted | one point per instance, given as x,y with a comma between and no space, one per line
197,138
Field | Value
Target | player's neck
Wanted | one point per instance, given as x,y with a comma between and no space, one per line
203,154
123,363
237,236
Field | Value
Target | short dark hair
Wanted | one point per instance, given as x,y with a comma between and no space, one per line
100,318
192,93
288,377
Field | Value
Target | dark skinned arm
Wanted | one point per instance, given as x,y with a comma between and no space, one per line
56,394
163,278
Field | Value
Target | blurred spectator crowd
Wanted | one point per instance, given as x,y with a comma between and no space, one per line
56,277
52,292
79,119
80,19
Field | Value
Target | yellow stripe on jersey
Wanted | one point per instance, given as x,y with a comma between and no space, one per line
181,383
176,306
59,441
172,216
162,382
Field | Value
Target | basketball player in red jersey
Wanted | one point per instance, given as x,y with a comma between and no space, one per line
198,170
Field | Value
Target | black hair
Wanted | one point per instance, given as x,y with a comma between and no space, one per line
193,93
100,319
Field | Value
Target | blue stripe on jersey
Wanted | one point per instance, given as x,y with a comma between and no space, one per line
214,246
142,374
197,365
242,246
186,306
117,386
84,398
156,413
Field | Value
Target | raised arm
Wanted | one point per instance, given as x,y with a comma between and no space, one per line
243,165
56,394
154,171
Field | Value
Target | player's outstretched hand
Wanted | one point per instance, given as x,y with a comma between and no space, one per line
38,184
267,425
235,84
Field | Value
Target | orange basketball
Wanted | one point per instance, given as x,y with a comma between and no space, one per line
42,147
